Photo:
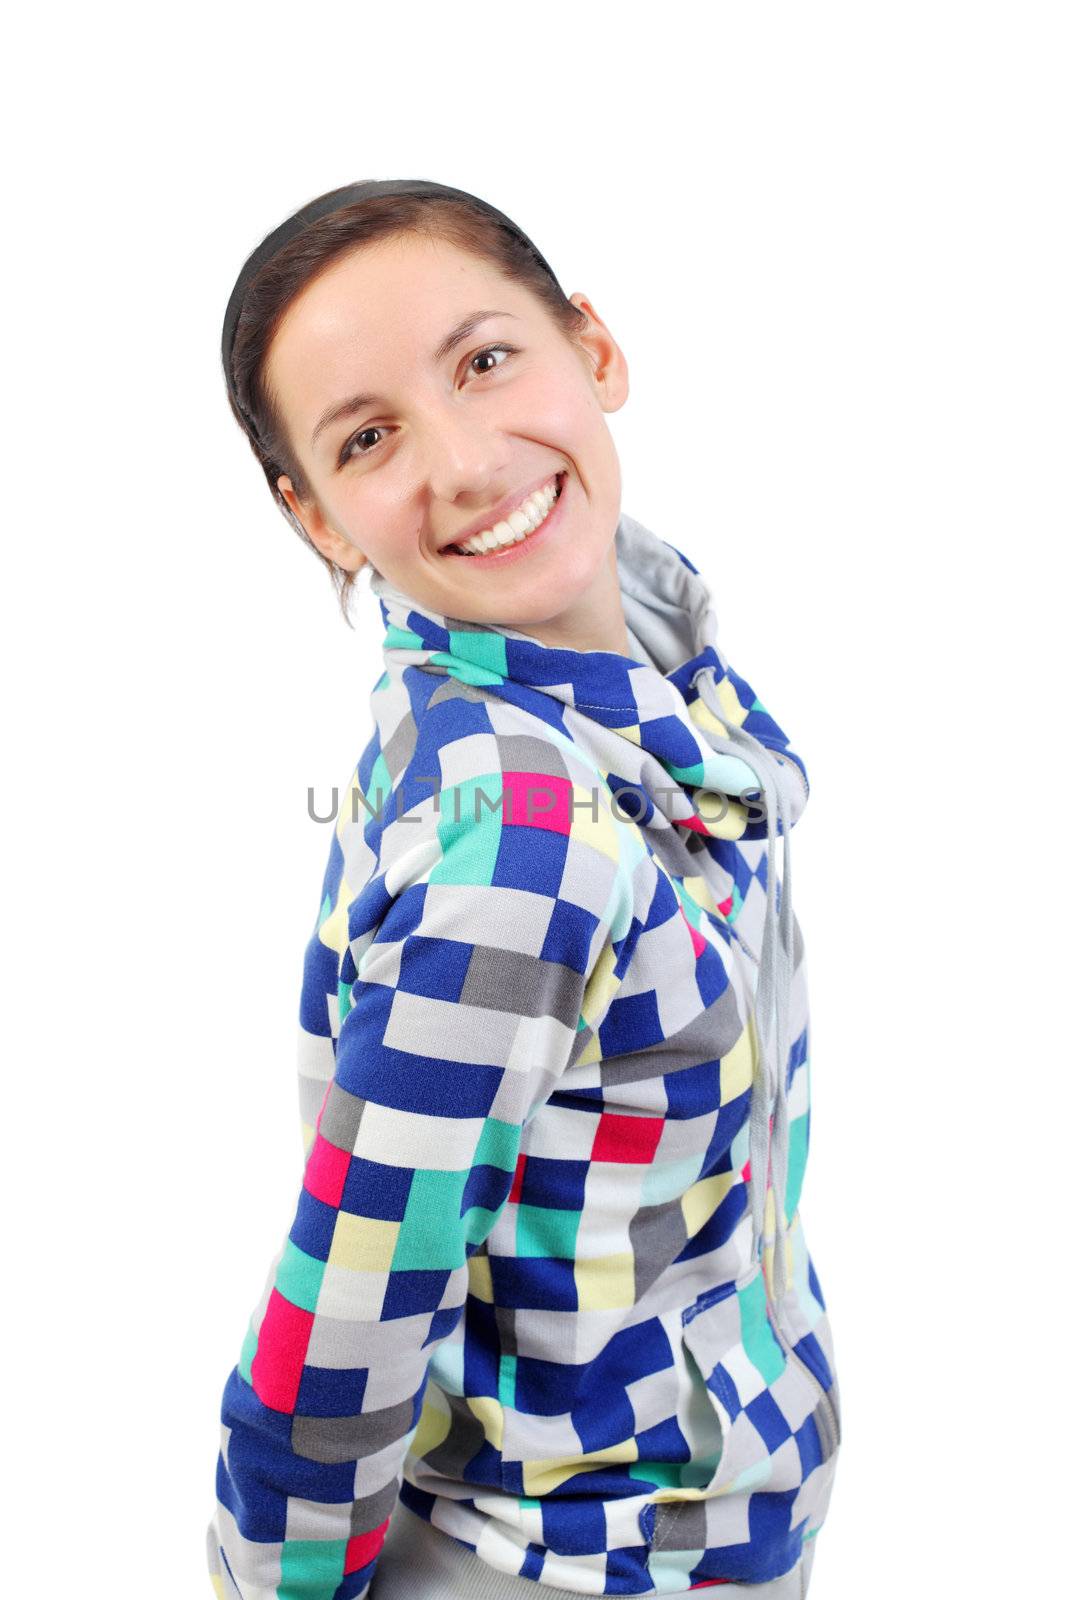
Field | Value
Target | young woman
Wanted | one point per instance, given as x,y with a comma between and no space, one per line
545,1321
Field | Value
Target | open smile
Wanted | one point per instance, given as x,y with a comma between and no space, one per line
520,545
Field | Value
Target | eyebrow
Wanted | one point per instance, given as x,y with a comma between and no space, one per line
356,402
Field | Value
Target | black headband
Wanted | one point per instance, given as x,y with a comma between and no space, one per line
349,195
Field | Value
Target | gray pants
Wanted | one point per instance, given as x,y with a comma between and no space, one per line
420,1562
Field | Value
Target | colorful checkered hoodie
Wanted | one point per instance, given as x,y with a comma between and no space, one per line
554,1072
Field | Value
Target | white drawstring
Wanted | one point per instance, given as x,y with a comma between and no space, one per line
768,1150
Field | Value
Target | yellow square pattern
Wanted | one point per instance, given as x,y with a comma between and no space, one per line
542,1477
605,1282
704,1198
737,1068
363,1244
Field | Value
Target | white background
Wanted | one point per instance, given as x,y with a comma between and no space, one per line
830,240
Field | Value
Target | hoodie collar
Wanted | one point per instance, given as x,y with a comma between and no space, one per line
651,698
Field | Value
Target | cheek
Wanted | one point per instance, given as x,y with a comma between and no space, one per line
375,513
559,413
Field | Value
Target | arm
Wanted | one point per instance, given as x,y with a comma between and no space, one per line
467,1004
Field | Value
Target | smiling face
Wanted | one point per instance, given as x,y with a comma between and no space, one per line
472,400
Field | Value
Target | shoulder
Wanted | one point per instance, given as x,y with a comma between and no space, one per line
496,799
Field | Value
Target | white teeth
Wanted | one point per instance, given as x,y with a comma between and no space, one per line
513,529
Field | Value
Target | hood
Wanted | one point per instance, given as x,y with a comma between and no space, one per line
682,741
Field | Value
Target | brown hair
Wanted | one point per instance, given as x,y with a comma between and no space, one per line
460,221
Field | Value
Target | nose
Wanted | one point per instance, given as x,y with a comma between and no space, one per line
465,460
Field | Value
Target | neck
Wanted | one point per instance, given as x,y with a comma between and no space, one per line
595,621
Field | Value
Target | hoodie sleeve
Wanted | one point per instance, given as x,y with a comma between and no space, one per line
462,1002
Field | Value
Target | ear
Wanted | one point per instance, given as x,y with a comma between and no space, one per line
610,373
333,545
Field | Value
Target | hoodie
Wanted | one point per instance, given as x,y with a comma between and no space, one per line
546,1279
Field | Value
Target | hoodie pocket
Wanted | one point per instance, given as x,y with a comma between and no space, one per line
802,1316
777,1422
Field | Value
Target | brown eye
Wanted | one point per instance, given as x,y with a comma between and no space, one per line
347,448
492,350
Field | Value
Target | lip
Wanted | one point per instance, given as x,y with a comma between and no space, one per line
515,552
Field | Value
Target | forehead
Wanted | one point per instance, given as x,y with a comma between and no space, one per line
372,314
